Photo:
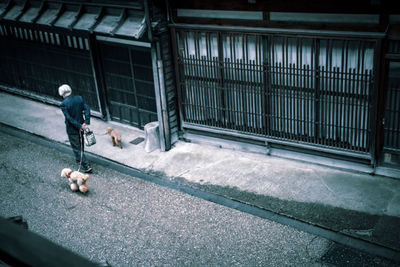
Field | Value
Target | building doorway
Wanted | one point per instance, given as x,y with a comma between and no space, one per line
391,126
129,84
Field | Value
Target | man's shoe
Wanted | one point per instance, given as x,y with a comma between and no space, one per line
88,170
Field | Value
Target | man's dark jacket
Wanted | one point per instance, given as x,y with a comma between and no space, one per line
74,107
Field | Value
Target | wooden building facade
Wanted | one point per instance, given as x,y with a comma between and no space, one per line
304,75
322,78
110,52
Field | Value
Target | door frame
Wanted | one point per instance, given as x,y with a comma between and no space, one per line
129,44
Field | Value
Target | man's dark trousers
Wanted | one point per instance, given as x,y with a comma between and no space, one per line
78,148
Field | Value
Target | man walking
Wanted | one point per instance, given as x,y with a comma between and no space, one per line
77,119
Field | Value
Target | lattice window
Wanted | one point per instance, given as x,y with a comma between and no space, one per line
310,89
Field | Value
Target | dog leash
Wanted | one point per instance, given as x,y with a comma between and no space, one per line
82,145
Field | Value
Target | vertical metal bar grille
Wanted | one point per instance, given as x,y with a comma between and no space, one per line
300,89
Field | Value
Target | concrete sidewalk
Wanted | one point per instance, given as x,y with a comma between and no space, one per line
353,203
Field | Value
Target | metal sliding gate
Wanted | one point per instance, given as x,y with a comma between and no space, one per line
310,90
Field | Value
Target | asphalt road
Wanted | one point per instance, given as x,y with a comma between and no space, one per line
127,221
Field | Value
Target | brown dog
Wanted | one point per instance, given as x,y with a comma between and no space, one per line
76,180
115,137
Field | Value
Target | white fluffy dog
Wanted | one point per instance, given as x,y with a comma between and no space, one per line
76,180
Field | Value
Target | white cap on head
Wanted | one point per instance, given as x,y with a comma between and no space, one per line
64,89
